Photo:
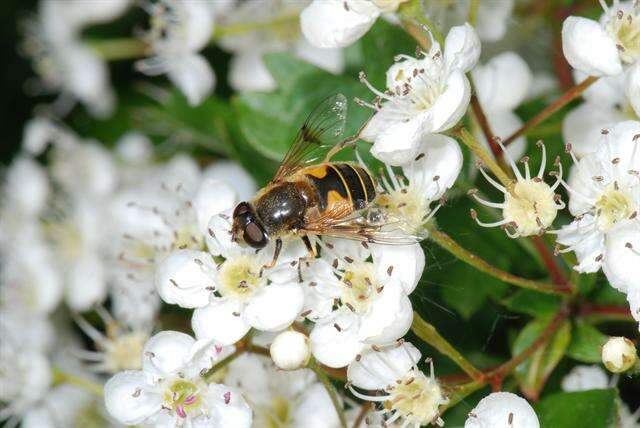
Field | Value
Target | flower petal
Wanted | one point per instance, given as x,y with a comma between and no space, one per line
503,82
186,278
397,143
314,409
248,72
589,48
227,407
386,366
123,402
582,125
335,348
462,47
220,321
389,316
329,24
403,263
232,173
442,158
451,105
212,198
193,75
622,252
86,283
633,87
274,307
167,352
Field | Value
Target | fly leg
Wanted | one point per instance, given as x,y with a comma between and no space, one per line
312,255
276,254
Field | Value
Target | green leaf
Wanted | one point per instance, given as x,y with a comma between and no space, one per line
287,69
465,289
533,373
586,343
532,303
596,408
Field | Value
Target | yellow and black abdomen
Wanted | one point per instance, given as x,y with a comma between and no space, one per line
339,184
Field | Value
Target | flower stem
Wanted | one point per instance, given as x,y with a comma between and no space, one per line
428,333
470,141
120,48
555,272
473,12
568,96
326,382
415,22
290,19
60,377
447,243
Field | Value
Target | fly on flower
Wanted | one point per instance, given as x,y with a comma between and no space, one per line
312,196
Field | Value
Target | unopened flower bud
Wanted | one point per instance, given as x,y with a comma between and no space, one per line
290,350
619,354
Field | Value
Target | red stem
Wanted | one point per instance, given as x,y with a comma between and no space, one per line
556,274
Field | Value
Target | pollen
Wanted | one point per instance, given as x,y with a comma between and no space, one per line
530,206
182,397
416,397
624,26
615,204
240,277
359,287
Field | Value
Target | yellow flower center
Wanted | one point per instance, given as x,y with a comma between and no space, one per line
67,238
123,351
624,26
182,397
614,205
240,277
360,286
409,206
531,206
417,398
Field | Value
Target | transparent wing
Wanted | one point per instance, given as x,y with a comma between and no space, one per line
372,225
317,135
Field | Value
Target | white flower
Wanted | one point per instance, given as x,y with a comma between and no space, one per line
502,410
65,406
355,301
619,354
81,13
25,376
63,63
405,392
530,205
584,378
429,175
118,349
290,350
606,103
292,399
429,94
247,70
339,23
236,294
502,84
605,47
493,17
84,168
76,233
179,30
633,87
604,190
151,220
170,388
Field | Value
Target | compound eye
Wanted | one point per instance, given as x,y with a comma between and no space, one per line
254,236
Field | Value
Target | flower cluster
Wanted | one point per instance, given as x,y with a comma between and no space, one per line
128,295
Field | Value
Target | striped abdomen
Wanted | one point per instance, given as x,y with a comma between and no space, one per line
341,183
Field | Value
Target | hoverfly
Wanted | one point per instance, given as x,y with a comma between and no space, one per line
312,196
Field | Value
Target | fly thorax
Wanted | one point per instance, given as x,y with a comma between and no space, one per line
416,397
624,27
615,204
240,277
182,396
359,286
530,205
